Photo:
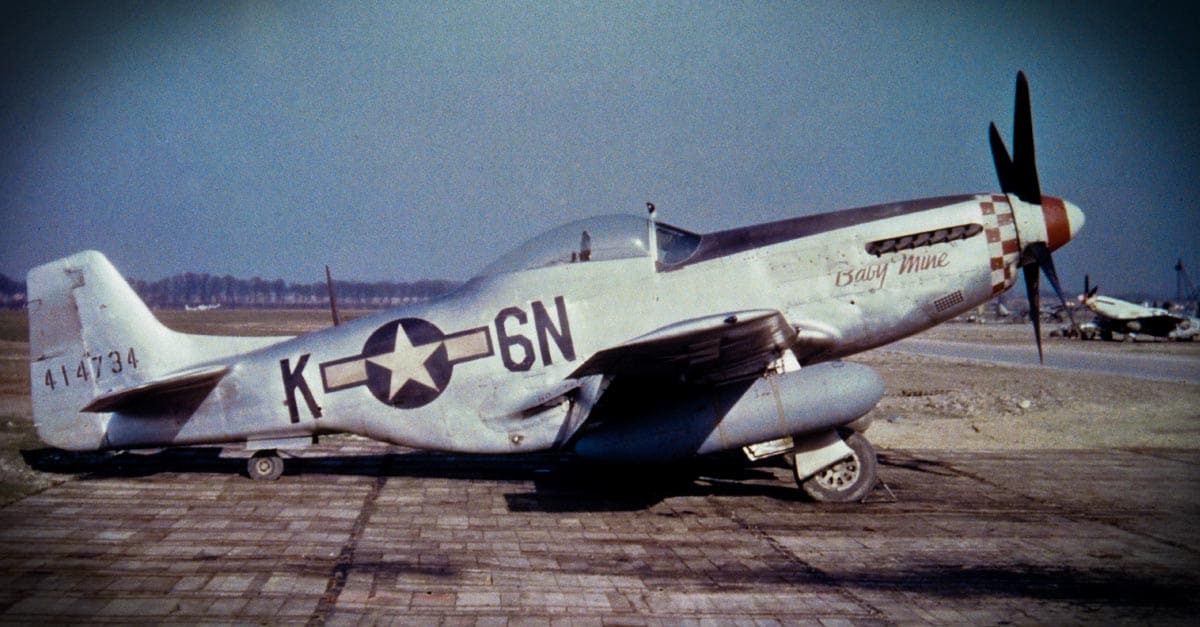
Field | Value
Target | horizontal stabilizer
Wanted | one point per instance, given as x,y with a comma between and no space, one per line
191,381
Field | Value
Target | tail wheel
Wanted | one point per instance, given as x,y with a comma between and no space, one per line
265,466
847,480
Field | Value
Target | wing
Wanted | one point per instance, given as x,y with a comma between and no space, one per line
701,350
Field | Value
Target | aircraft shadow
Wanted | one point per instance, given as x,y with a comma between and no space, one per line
561,483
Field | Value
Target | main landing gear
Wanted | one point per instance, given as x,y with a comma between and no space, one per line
830,467
846,480
265,465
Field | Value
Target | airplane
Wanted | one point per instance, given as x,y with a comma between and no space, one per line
615,339
1130,320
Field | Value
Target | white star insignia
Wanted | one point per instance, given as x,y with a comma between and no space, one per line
407,362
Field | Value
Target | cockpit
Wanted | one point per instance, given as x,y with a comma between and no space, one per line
601,238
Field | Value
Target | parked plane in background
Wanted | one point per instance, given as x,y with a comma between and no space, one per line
1129,320
617,338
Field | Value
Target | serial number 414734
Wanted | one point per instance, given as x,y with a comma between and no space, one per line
91,366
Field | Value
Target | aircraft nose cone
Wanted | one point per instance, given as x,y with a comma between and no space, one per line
1074,217
1063,220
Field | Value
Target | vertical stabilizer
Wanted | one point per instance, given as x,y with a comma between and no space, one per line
94,345
89,334
97,353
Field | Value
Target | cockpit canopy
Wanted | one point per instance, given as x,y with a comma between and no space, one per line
597,239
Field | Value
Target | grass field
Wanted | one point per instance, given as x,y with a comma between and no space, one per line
16,414
252,322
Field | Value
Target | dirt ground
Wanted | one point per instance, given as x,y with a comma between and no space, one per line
941,403
929,403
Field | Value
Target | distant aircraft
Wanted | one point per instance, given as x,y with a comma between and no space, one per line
1130,320
202,307
616,338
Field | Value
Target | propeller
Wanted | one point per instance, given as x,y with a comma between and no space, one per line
1089,290
1018,176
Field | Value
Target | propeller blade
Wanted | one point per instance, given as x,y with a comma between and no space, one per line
1031,291
1004,166
1024,161
1041,252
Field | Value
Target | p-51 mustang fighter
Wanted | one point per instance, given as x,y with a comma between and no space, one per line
1131,320
616,338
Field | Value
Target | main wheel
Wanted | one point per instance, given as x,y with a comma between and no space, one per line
265,466
847,480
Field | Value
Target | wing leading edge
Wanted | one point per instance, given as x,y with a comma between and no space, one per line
192,381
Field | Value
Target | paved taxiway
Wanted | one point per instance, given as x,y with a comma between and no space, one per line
1153,366
366,531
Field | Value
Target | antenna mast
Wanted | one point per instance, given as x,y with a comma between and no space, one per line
332,298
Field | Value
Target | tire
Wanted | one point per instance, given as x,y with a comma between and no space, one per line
265,466
847,480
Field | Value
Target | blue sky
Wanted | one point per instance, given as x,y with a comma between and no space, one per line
416,140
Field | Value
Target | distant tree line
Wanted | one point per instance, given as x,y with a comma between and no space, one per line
193,289
12,293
